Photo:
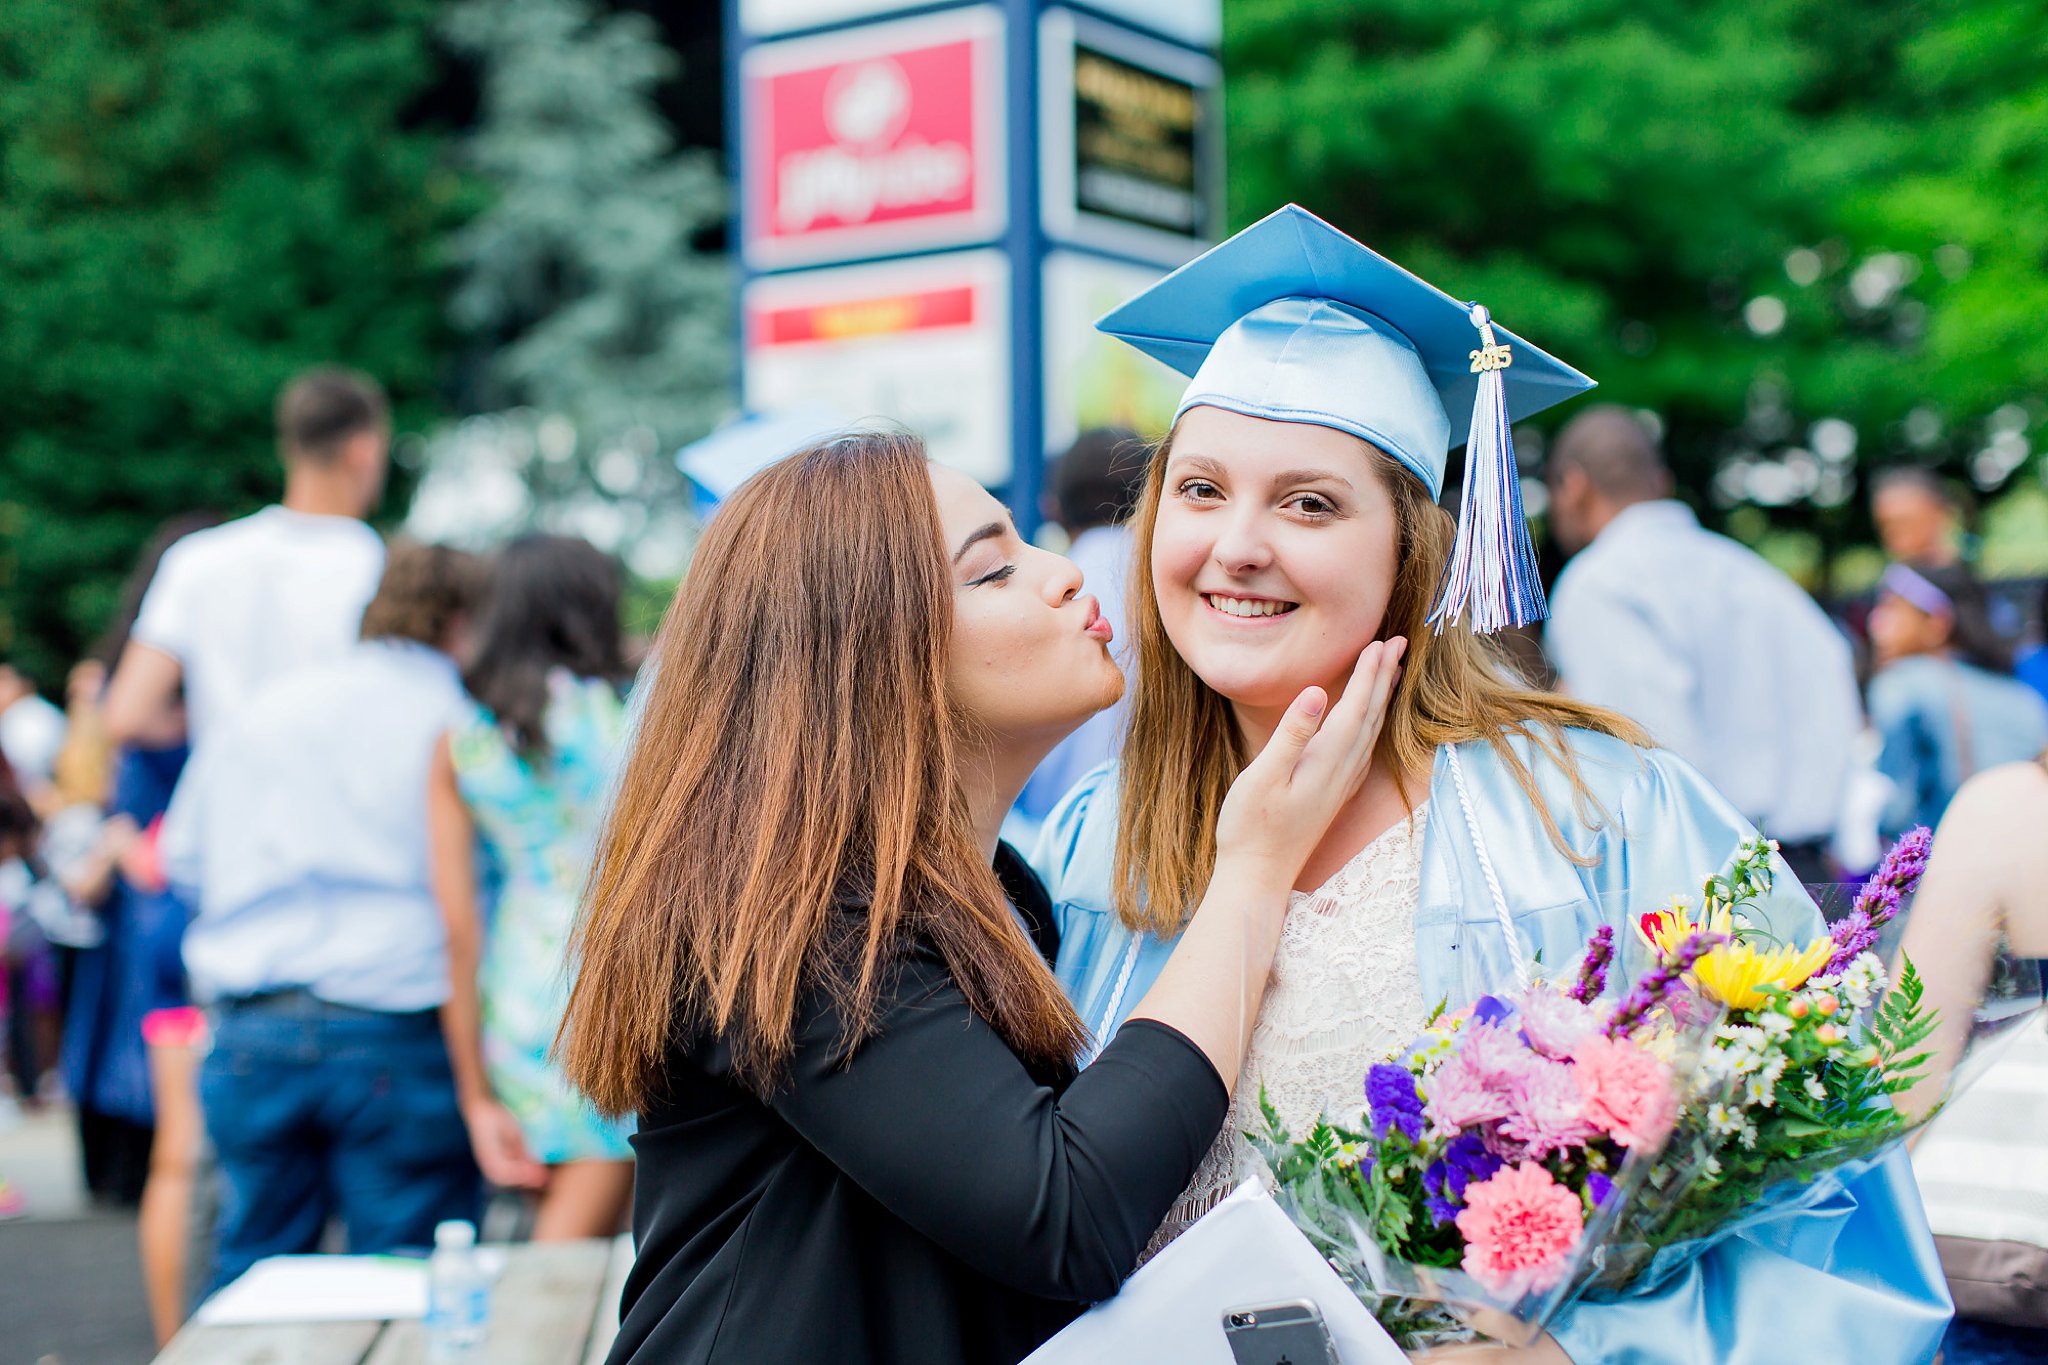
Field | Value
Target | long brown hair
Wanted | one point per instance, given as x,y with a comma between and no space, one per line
553,603
1183,746
797,753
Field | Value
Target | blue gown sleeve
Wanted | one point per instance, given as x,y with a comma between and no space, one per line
1671,831
1056,855
1854,1278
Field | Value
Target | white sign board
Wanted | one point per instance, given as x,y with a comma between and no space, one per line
780,16
924,342
1199,22
1094,380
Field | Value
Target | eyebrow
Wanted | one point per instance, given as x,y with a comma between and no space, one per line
976,536
1204,464
1287,476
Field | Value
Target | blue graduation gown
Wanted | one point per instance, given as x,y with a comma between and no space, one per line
1855,1278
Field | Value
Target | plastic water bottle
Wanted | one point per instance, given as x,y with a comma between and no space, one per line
458,1296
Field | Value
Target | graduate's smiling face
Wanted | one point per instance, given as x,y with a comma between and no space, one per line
1273,554
1030,657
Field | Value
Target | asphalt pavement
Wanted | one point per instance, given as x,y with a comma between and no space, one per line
70,1275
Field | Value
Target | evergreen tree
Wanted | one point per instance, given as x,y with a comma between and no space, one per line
196,201
604,332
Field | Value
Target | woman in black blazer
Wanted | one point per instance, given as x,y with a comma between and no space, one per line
809,966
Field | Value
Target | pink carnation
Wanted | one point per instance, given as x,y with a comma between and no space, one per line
1473,1084
1520,1228
1495,1053
1553,1021
1628,1092
1461,1094
1547,1110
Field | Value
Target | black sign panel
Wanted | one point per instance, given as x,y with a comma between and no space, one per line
1137,153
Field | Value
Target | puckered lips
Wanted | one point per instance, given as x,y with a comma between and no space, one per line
1246,609
1094,624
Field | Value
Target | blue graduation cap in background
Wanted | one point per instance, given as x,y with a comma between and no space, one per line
719,463
1293,321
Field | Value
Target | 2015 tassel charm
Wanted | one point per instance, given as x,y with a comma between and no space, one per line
1491,582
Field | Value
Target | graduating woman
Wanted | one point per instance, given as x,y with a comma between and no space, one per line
1289,519
808,965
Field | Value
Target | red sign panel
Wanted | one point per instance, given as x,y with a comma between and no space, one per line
883,139
864,317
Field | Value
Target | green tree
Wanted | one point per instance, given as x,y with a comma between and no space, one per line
1799,232
196,200
603,332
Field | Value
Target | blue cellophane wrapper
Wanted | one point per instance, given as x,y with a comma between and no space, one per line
1642,1255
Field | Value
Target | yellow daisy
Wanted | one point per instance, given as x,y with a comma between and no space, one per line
1735,972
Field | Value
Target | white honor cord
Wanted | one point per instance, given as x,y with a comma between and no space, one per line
1116,1000
1500,901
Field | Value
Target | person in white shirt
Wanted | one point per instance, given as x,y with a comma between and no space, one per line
31,733
229,609
1720,656
233,607
300,827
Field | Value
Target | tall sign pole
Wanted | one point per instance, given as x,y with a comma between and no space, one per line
934,201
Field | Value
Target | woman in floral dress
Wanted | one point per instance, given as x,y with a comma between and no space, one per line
515,800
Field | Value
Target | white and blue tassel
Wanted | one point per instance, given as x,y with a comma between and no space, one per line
1491,581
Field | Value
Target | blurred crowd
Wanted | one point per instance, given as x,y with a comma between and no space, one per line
341,794
288,882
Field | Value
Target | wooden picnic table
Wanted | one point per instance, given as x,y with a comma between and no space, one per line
557,1303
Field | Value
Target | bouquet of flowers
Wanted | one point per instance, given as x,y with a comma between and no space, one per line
1500,1147
1543,1144
1795,1096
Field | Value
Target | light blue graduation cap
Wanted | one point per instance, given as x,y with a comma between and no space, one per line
1293,321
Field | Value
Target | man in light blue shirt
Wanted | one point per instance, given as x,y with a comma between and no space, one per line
1720,656
300,830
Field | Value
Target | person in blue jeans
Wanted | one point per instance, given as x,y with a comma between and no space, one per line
302,827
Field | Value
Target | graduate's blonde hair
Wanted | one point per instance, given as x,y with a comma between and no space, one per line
1183,747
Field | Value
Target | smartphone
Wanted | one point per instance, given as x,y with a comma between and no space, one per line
1290,1333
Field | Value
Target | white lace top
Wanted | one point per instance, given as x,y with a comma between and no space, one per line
1342,995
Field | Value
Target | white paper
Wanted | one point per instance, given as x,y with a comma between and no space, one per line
321,1289
1242,1253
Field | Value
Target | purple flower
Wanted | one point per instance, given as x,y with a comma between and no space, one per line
1464,1161
1488,1010
1659,982
1390,1091
1470,1160
1500,1146
1593,970
1599,1187
1896,876
1853,934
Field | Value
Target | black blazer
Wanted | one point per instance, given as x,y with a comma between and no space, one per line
930,1201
